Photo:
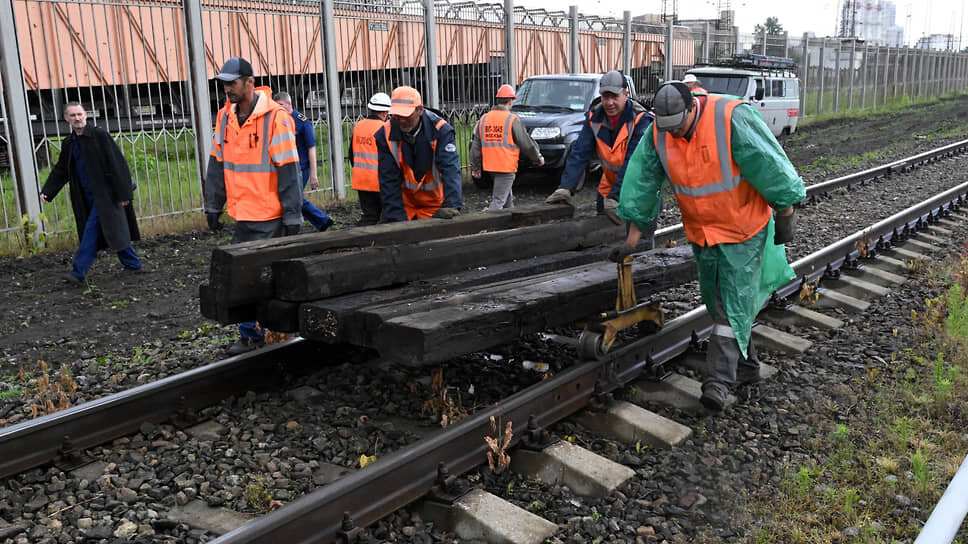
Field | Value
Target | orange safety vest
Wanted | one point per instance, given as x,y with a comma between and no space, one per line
718,206
365,163
251,155
498,150
421,199
612,157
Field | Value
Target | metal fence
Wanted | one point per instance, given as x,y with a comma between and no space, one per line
144,69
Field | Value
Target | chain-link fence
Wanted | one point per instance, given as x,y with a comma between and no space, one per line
132,64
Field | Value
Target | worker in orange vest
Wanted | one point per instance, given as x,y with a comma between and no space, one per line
419,168
363,155
253,169
497,143
695,86
736,189
611,131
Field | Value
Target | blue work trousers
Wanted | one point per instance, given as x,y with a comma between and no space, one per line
311,213
87,249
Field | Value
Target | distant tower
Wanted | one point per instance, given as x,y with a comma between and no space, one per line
725,10
848,19
670,10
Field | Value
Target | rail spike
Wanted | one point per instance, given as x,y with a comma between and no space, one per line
447,488
69,457
348,532
536,438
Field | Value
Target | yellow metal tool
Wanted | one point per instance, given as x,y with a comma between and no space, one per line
598,338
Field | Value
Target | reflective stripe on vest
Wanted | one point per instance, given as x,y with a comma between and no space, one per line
365,156
420,200
409,178
498,155
728,181
613,157
717,204
251,156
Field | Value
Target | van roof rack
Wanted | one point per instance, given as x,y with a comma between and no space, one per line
750,60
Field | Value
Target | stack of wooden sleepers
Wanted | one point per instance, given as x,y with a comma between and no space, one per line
426,291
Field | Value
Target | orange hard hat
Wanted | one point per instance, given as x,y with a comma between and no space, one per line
506,91
404,100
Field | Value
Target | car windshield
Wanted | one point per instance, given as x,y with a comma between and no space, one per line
554,94
734,85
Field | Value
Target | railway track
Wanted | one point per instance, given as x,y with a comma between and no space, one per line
338,510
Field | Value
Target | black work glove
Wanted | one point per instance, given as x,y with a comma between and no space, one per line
291,229
212,219
620,252
784,227
446,213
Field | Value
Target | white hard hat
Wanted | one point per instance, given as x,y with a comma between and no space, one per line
379,102
690,78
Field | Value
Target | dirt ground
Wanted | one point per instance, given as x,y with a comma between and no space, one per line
104,331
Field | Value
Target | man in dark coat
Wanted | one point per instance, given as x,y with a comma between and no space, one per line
101,193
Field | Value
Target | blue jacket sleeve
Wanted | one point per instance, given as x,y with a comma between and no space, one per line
637,133
309,134
391,180
581,152
448,164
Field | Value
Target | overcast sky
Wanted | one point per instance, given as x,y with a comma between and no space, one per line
926,16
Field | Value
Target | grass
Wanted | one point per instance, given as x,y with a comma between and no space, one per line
857,479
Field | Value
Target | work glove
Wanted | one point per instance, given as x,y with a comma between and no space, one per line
611,210
784,226
291,229
212,219
620,252
446,213
561,195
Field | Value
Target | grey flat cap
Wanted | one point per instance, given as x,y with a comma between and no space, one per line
671,105
612,82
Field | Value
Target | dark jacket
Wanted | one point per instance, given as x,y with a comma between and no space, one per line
110,182
421,158
586,147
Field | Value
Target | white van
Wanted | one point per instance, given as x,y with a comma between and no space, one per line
765,82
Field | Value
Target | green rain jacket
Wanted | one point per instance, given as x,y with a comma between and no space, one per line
747,272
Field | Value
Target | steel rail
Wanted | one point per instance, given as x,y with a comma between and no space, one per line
70,431
410,472
332,512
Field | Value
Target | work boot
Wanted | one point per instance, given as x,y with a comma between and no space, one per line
245,345
714,396
71,279
748,373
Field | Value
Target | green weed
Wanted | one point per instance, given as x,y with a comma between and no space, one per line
32,239
841,432
921,470
120,304
257,494
13,393
957,321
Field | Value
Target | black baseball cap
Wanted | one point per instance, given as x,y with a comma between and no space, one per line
234,68
671,105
